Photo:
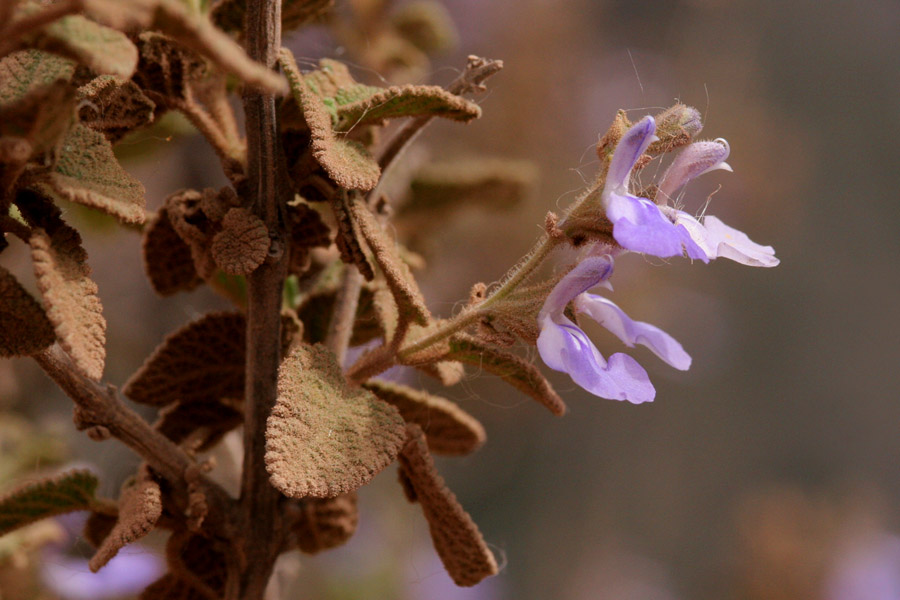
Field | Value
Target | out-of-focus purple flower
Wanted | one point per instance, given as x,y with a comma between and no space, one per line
715,238
867,570
638,224
129,572
563,346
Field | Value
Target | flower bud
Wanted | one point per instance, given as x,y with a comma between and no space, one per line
676,127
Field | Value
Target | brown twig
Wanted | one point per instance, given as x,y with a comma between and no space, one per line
229,151
99,406
469,81
340,328
266,187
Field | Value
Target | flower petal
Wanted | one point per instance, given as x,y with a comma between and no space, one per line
590,272
693,161
639,225
564,347
631,332
629,149
736,245
129,572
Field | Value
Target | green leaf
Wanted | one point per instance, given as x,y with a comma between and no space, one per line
88,173
347,162
513,369
46,498
27,70
406,101
103,50
324,437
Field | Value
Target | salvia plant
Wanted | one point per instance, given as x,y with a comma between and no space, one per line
303,242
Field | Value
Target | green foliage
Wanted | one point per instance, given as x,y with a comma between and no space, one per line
88,173
46,498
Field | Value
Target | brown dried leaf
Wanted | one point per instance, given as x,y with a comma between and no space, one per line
103,50
140,506
63,277
88,173
24,328
410,302
198,425
191,29
166,69
201,362
448,428
243,243
349,239
167,259
308,231
114,107
326,523
406,101
456,537
347,162
323,437
513,369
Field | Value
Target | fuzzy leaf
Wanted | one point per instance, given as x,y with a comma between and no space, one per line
27,70
140,506
347,162
193,30
101,49
514,370
167,259
199,425
24,328
493,183
326,523
406,101
171,587
201,362
243,243
114,107
42,117
349,239
88,173
36,101
308,231
448,372
456,537
448,428
410,302
46,498
63,278
324,437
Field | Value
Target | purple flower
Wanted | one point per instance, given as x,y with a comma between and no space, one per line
638,224
563,346
715,238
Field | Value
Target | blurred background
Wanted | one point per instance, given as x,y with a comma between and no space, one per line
767,471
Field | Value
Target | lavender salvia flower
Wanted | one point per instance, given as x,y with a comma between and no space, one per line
712,235
638,223
563,346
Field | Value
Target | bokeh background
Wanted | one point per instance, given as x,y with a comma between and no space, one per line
770,469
